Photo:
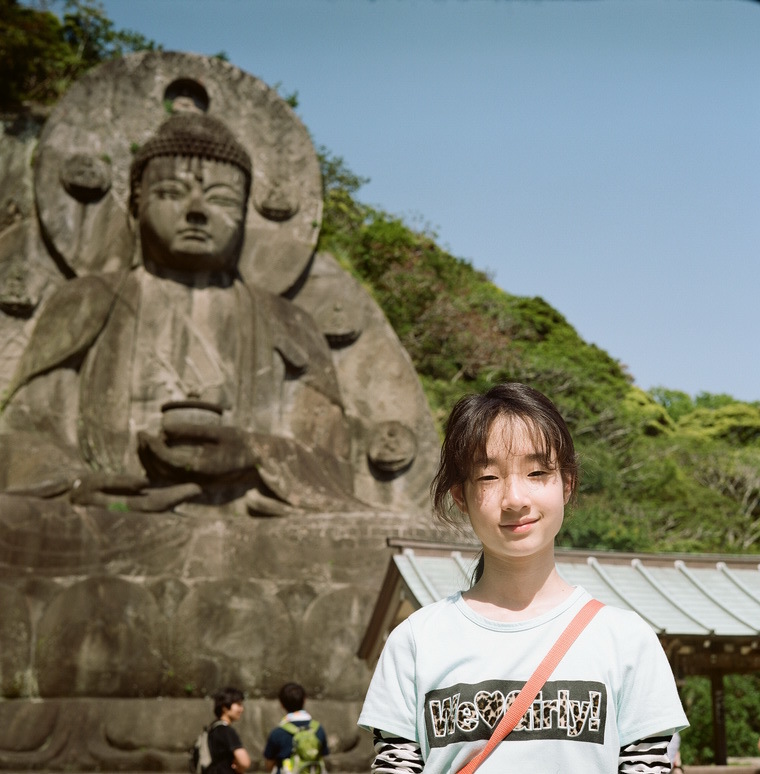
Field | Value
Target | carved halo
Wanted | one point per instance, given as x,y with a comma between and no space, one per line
116,107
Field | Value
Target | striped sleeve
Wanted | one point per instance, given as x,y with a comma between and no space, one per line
401,756
646,756
394,755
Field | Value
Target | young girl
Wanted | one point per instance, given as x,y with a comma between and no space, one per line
448,673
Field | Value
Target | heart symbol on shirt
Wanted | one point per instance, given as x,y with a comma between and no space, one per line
490,706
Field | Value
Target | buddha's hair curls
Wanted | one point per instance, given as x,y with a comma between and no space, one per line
194,135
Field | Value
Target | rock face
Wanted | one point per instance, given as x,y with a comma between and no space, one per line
178,368
116,623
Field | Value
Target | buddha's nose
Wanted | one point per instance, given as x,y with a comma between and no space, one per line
196,217
196,208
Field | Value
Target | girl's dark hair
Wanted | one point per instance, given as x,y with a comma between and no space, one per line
225,698
466,436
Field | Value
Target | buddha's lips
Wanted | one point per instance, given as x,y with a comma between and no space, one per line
194,233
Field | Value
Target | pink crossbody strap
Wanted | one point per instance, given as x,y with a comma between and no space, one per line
530,690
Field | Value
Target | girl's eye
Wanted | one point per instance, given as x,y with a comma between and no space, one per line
537,474
487,477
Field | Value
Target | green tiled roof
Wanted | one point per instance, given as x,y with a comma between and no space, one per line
691,596
704,608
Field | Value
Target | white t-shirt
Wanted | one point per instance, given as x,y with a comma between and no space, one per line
446,675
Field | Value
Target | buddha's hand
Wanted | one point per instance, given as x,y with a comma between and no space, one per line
129,493
198,453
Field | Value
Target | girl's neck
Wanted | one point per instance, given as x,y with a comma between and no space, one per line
515,590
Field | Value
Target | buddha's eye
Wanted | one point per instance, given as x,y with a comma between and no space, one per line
168,190
223,196
221,200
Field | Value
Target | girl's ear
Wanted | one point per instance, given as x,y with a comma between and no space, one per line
567,485
457,494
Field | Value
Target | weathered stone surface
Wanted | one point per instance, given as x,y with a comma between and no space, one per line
100,637
118,107
207,431
109,629
16,148
380,388
111,325
153,735
16,636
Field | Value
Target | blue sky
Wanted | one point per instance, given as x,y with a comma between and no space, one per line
602,154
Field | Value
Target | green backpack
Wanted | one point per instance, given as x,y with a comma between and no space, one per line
306,755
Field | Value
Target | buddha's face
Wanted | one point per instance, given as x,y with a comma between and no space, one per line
192,214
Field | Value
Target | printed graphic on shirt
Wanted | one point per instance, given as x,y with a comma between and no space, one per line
564,709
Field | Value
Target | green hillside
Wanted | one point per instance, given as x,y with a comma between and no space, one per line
662,471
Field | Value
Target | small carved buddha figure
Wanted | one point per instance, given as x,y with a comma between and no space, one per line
182,381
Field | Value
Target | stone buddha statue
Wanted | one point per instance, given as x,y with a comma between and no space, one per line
173,341
175,380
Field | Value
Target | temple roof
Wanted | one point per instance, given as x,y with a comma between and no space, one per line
705,608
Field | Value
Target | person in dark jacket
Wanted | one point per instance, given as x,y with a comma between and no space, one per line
228,756
279,746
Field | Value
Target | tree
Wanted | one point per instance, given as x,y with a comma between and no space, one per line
41,55
33,55
675,402
737,423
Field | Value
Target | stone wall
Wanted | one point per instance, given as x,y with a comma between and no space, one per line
117,625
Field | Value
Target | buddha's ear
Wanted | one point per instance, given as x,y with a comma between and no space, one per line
137,256
132,216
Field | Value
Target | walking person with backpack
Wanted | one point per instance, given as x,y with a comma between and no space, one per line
299,743
523,671
219,749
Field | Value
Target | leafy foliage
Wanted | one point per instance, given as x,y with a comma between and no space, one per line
662,471
742,718
41,55
736,423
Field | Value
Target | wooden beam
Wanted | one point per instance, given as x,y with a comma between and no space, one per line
719,719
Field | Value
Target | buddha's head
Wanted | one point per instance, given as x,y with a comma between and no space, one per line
189,191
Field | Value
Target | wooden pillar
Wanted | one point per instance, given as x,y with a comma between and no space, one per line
719,719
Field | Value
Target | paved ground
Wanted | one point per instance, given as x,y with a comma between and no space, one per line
736,766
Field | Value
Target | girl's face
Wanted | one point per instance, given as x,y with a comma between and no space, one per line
515,503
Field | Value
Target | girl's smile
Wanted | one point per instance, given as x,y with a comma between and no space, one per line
523,526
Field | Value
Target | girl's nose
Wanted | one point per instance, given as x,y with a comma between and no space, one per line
515,494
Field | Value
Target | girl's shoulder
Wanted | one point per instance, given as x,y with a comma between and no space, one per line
441,607
624,626
428,616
